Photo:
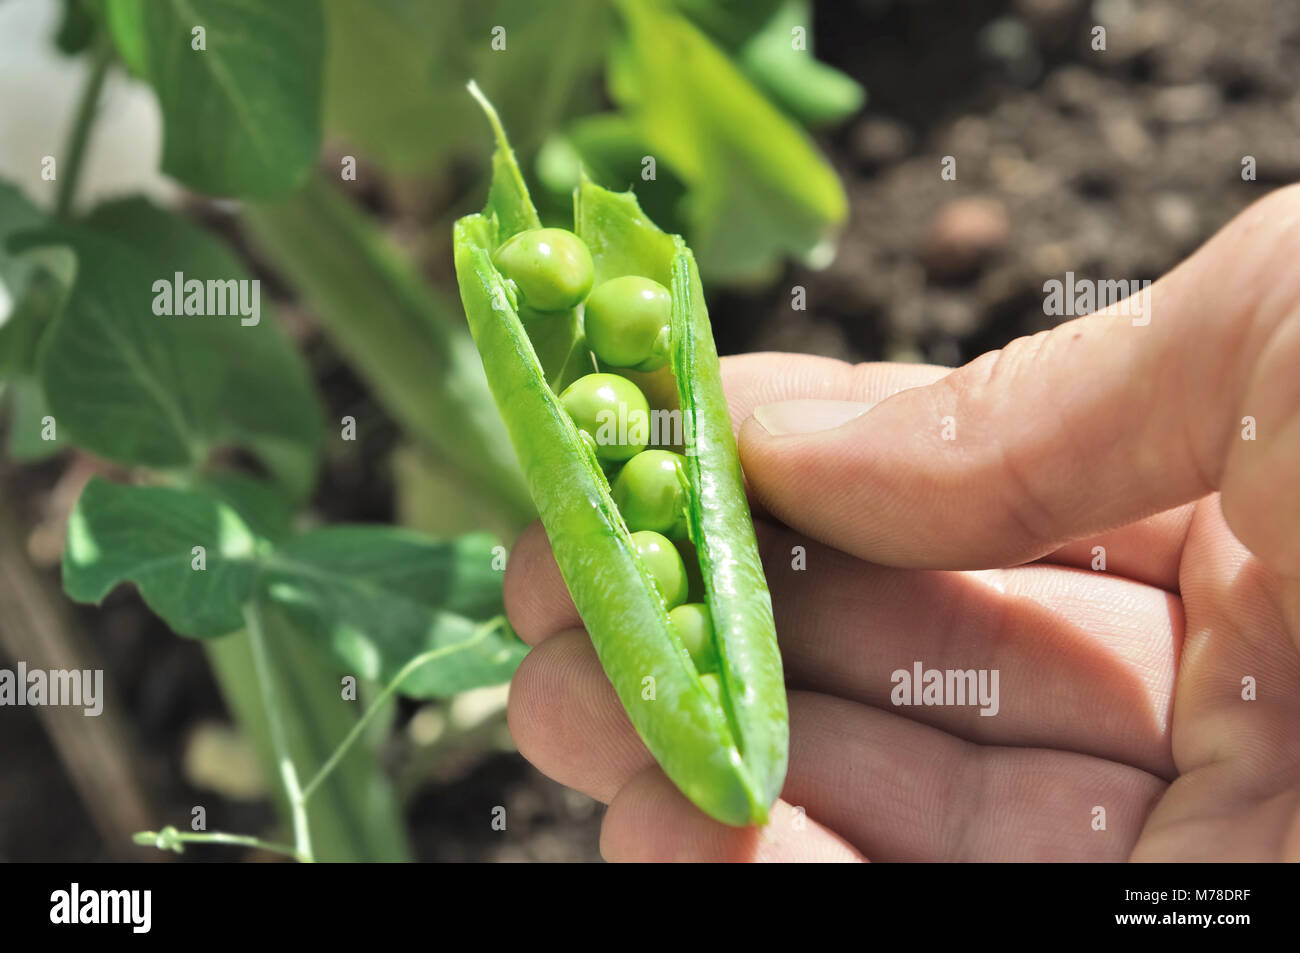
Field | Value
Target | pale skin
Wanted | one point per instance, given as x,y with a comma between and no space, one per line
1120,689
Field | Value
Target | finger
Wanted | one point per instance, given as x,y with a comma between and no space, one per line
1073,431
1235,630
537,602
901,791
1236,711
651,821
1260,489
1083,661
752,380
1148,551
893,788
567,721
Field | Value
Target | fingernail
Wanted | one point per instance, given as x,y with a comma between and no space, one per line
807,416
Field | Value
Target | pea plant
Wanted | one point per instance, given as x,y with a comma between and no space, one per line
141,338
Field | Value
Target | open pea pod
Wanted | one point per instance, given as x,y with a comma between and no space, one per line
721,736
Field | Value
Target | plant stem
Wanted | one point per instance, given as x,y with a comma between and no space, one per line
483,631
279,741
75,151
169,838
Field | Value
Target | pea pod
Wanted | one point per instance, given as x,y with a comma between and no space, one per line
720,736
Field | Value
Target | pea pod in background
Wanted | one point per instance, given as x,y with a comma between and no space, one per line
704,687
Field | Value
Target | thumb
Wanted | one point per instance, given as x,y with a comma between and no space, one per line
1099,422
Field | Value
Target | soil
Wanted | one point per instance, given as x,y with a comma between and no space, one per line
1111,164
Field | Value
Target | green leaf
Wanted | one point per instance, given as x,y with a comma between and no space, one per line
27,411
372,597
32,289
729,22
379,596
262,505
759,189
433,496
161,391
125,20
758,35
809,90
396,73
41,296
147,535
17,335
242,115
608,148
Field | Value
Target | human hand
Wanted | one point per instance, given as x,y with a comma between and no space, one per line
1120,688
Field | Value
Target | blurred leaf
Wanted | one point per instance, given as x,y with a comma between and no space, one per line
396,74
379,596
809,90
379,89
758,188
17,337
759,36
27,409
242,115
125,19
411,347
146,535
729,22
76,28
40,297
609,148
31,292
161,391
433,497
606,146
261,505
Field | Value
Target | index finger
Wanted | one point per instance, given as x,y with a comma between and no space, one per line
1099,422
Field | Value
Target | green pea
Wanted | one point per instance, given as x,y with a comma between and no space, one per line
628,322
695,626
713,685
650,492
613,411
665,565
551,267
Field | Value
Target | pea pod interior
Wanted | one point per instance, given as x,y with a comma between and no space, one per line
727,752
